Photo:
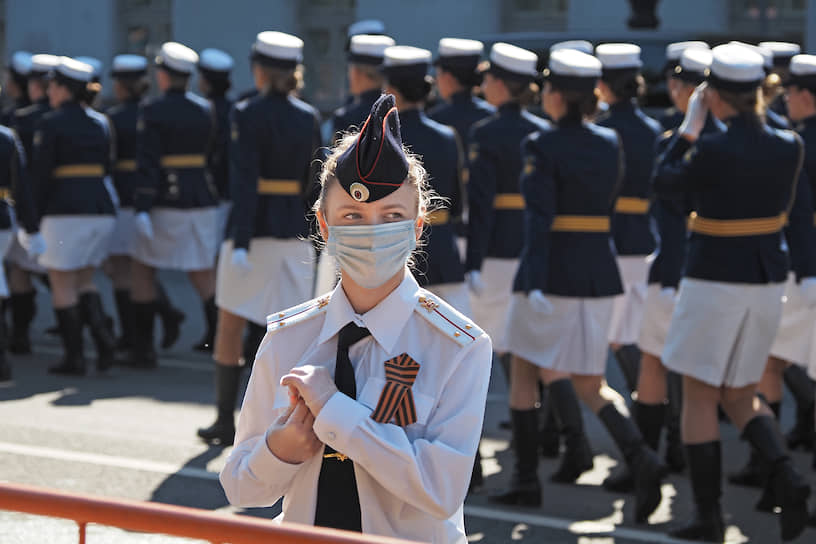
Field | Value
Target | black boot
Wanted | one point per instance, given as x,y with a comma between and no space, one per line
801,386
649,419
23,309
476,476
628,357
785,483
705,470
674,456
69,321
549,435
144,350
211,319
252,341
170,316
525,489
754,473
122,299
643,462
227,382
5,366
577,456
90,305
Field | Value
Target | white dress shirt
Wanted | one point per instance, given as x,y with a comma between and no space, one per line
412,481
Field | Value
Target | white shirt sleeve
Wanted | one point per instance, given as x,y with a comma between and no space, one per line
253,476
431,473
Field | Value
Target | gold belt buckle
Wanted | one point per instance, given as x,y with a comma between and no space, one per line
335,455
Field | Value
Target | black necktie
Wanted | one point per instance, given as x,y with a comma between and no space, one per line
338,502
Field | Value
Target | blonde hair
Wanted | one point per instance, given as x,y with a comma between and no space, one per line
750,102
282,81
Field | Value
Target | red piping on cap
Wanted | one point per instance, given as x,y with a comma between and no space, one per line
379,151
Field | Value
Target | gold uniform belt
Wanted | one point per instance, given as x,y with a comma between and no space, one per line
438,217
580,223
183,161
737,227
78,171
632,205
125,165
508,201
290,187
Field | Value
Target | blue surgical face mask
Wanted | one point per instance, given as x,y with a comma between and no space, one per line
372,254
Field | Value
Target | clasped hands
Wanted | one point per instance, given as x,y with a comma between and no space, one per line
291,438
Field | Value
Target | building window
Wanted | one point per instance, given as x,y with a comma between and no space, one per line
534,15
781,19
144,25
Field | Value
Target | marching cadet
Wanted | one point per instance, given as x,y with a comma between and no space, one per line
14,188
496,207
781,53
16,85
95,86
22,263
729,304
672,117
439,267
130,85
175,201
266,260
457,75
566,281
365,55
659,394
632,226
72,151
365,405
214,67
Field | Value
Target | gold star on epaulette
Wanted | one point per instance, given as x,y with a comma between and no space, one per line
428,304
323,302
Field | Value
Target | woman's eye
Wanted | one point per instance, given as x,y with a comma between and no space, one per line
351,216
394,216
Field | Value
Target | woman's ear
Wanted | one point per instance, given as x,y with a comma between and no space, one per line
321,224
420,223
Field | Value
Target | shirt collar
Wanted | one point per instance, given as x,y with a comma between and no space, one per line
385,321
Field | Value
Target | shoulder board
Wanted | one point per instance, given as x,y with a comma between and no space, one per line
449,321
296,314
28,110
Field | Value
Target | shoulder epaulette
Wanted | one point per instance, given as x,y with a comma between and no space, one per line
449,321
296,314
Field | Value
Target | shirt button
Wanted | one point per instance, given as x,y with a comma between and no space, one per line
331,435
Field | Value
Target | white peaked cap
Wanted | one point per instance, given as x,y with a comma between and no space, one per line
402,55
571,62
696,60
95,63
215,60
366,26
781,49
514,59
615,56
177,57
736,67
459,47
675,50
803,65
767,54
370,45
74,69
578,45
21,62
43,62
279,45
129,63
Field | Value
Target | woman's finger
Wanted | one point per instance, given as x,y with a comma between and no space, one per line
285,415
309,420
300,412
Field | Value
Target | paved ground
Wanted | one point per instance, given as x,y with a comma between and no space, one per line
132,434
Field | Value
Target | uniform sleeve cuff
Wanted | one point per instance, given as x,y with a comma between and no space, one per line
337,420
263,463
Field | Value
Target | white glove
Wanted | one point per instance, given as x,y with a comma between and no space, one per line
144,225
34,244
807,287
474,282
539,302
695,118
668,295
239,259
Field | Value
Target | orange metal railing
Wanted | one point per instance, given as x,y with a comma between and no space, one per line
179,521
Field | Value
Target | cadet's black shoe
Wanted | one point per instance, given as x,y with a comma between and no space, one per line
802,388
227,382
751,474
708,527
802,433
170,317
524,489
577,456
218,434
143,354
70,325
705,470
520,493
23,309
211,320
90,305
620,480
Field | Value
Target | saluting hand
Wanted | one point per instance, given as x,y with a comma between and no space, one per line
291,438
314,384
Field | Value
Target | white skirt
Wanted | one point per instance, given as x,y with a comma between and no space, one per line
281,277
17,255
182,239
490,309
455,294
124,234
795,334
627,313
721,333
6,237
657,315
76,241
570,339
